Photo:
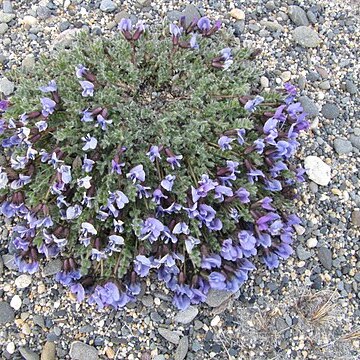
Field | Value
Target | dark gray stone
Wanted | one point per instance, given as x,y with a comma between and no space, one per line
325,257
309,106
108,6
6,313
311,16
298,15
39,320
186,316
191,12
9,261
169,335
43,12
302,253
351,88
239,27
216,297
182,349
306,37
355,141
342,146
174,15
330,111
64,25
1,266
52,267
355,217
82,351
28,354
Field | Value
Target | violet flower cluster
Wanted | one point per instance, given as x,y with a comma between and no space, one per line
208,238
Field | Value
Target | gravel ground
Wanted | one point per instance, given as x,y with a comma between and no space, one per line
306,309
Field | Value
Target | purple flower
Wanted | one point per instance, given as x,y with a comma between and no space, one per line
65,172
175,31
204,24
153,153
67,278
270,125
254,174
151,229
116,167
206,185
290,89
263,221
103,122
88,88
174,161
24,266
265,203
48,106
142,265
193,42
87,164
79,291
120,198
125,25
158,195
17,184
228,251
190,243
211,261
241,133
259,145
243,195
87,116
136,173
251,104
217,281
80,71
142,191
221,191
168,182
224,143
283,250
41,125
247,240
264,240
181,228
51,87
271,260
273,185
90,142
294,109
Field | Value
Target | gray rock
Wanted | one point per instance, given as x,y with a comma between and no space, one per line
82,351
43,12
9,261
3,28
302,82
254,27
143,3
191,12
48,351
272,25
302,253
169,335
28,354
6,313
239,27
325,85
325,257
39,320
351,88
306,37
270,5
298,15
311,16
355,217
66,38
309,106
1,266
174,15
314,188
5,18
330,111
186,316
6,86
216,297
342,146
355,141
7,7
322,72
108,6
52,267
182,349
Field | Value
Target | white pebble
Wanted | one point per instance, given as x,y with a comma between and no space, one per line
215,321
157,301
23,281
10,348
311,243
16,302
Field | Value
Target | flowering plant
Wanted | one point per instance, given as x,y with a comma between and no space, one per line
124,163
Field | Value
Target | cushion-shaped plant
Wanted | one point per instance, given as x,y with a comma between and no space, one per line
149,152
